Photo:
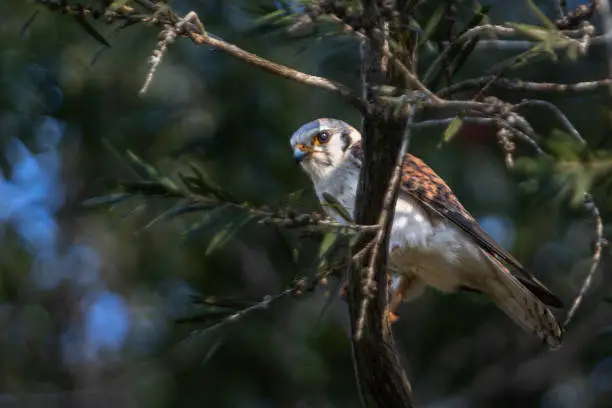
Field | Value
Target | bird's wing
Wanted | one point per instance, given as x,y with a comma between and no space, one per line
422,183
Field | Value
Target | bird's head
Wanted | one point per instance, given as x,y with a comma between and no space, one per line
321,145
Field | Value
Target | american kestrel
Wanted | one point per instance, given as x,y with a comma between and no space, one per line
434,240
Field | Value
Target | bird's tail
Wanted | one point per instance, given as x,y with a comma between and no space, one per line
522,306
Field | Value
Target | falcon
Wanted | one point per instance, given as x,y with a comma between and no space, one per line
434,241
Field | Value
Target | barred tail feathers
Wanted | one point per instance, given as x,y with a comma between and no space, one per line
521,305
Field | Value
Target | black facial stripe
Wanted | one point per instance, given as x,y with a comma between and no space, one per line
357,151
345,136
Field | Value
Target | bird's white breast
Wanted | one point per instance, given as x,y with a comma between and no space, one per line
421,243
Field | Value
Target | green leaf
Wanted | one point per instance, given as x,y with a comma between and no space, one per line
480,14
333,203
207,219
28,22
164,215
463,55
532,31
225,303
433,22
452,129
534,53
192,207
212,350
460,52
117,3
91,31
192,183
142,165
328,241
106,200
208,186
223,236
541,16
414,25
149,188
549,39
270,17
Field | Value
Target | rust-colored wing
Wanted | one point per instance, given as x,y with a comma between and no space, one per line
422,183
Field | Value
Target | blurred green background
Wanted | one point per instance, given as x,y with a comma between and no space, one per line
89,297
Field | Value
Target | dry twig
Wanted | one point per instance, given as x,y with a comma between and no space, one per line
557,112
301,286
600,242
520,85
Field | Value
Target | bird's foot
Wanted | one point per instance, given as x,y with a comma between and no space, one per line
393,317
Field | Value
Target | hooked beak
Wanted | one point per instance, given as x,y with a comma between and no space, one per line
300,152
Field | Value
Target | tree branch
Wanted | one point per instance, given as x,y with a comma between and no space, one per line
191,27
301,286
381,378
527,86
502,31
385,222
557,112
278,69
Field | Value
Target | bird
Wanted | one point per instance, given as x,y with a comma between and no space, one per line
434,241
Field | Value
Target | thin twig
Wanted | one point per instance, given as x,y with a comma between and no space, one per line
385,221
488,29
446,121
522,45
558,113
168,35
520,85
600,242
574,18
301,286
505,141
305,222
202,37
309,222
527,136
561,6
412,80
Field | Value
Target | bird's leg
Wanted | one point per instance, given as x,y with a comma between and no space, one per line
396,296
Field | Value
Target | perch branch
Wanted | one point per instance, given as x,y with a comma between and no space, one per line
380,376
385,221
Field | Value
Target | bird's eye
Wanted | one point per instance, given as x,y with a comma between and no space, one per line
322,137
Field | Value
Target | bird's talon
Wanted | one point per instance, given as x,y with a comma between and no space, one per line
393,318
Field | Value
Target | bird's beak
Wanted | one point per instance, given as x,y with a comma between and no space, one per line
300,152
